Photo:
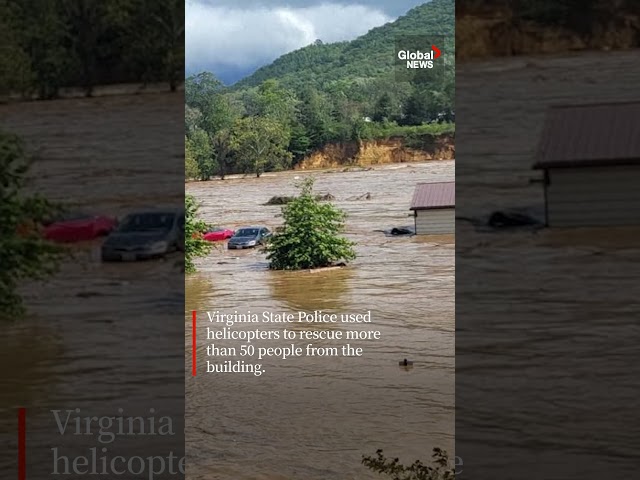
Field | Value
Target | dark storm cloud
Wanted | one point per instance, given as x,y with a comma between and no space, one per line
390,7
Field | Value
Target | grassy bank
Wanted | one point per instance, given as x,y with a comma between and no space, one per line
383,131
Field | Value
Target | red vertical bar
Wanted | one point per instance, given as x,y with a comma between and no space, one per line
22,443
193,343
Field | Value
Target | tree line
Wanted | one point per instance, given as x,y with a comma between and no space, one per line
580,16
53,44
271,127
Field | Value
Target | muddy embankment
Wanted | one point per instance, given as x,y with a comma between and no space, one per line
379,152
497,34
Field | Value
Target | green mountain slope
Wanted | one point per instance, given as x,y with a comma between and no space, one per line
366,58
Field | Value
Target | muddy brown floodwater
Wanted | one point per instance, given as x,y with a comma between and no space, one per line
549,313
313,417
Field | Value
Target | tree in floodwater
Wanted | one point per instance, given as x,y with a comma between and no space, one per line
194,244
393,469
310,237
24,253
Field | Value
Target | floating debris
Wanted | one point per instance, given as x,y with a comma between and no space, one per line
364,196
283,200
405,363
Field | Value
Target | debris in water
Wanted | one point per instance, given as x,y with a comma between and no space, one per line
398,231
279,200
283,199
405,363
364,196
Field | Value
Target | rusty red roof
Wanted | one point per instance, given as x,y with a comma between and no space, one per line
434,195
590,135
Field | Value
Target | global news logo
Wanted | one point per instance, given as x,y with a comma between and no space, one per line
418,59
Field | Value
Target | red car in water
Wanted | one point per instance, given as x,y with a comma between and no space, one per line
78,227
218,234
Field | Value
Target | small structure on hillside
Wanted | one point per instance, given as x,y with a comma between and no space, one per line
590,155
434,207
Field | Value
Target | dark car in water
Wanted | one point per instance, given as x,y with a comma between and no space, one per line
146,234
249,237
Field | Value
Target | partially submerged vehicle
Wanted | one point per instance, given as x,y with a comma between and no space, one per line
78,227
146,234
218,234
249,237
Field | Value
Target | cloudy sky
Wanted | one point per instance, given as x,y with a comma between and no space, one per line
232,38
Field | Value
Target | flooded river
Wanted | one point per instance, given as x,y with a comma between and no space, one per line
97,336
541,318
312,417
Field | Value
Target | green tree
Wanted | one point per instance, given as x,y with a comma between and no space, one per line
24,254
276,102
384,108
260,144
192,119
218,113
190,164
87,21
198,89
316,116
194,244
439,470
199,147
310,236
300,144
16,74
221,147
45,36
169,32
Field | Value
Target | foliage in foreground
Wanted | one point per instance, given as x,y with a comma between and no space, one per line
24,254
194,245
393,469
310,237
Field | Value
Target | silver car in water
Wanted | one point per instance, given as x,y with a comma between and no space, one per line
249,237
145,234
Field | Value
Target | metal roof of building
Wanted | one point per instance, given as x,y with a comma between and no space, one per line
434,195
590,135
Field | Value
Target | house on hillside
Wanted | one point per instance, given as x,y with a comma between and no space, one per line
434,206
590,156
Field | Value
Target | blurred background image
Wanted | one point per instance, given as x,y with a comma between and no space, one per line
90,138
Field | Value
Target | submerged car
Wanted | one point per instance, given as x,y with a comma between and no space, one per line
218,234
78,227
144,235
249,237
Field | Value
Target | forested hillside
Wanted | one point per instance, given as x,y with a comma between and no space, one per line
371,56
48,45
320,94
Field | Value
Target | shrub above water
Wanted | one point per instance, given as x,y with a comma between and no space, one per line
194,244
310,237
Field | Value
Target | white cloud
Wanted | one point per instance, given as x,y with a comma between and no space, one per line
225,37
